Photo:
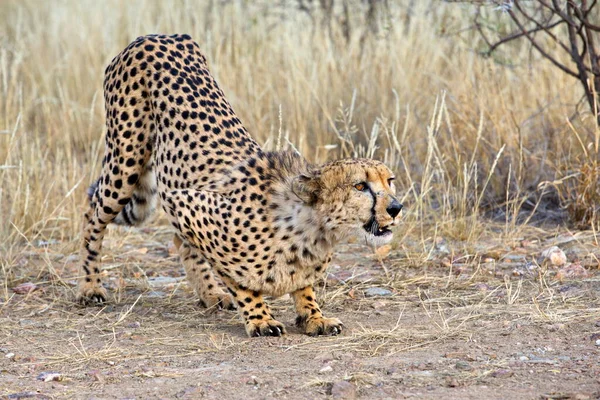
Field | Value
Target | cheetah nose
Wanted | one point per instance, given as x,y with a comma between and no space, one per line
394,208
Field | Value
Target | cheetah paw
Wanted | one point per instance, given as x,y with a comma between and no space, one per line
271,327
315,326
219,301
90,294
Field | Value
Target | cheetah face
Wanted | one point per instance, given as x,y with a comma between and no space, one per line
357,198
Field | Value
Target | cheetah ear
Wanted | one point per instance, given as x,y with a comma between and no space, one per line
306,187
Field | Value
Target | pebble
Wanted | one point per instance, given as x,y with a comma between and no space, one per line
463,365
502,373
10,356
49,376
163,281
572,271
377,291
554,256
343,390
325,369
451,382
252,381
598,342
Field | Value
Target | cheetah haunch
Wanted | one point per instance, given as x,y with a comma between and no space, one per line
263,222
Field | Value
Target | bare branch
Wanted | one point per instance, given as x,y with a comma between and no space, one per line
517,35
541,27
554,61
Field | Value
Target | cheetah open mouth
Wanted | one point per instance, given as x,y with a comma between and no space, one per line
376,233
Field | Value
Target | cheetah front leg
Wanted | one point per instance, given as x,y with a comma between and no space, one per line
254,311
200,276
310,318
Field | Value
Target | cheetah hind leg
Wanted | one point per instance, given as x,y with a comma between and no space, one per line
199,275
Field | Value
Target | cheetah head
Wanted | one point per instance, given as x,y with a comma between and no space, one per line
355,197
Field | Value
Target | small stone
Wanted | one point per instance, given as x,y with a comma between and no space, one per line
554,256
96,376
325,356
598,342
502,373
523,358
25,288
463,365
10,356
451,382
377,291
377,305
252,381
343,390
325,369
49,377
572,271
134,325
556,327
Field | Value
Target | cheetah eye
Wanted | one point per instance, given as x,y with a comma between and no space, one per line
391,180
361,186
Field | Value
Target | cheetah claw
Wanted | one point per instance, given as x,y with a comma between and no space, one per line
265,328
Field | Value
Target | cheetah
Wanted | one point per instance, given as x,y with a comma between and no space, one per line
261,223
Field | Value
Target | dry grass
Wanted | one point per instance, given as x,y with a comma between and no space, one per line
466,136
464,133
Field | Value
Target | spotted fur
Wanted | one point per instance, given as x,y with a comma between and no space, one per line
258,222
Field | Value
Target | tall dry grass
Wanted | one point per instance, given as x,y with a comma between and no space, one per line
464,133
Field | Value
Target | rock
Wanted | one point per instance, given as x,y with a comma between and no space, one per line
96,376
325,356
377,305
326,369
502,373
27,395
515,258
49,376
554,256
163,281
45,243
10,356
377,291
343,390
451,382
134,325
253,381
25,288
463,366
598,342
556,327
572,271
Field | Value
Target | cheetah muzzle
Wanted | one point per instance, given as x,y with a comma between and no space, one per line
247,222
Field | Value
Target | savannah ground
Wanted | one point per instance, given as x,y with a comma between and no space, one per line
493,158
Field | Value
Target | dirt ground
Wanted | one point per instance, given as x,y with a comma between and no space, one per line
427,319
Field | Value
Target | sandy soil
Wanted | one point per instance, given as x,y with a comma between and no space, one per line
488,322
